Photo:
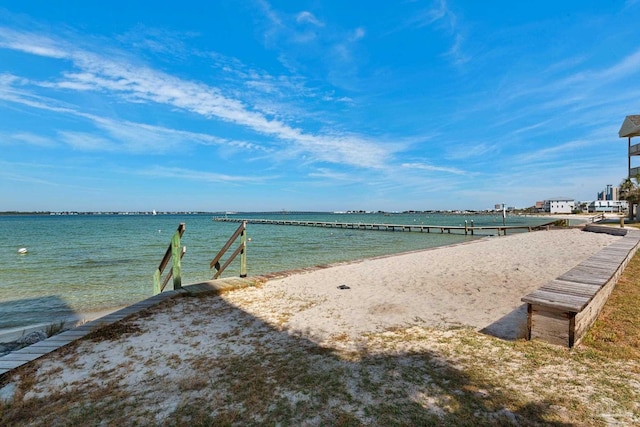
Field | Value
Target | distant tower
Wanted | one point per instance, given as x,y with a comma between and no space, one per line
609,192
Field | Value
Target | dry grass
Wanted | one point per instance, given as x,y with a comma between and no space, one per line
617,331
253,373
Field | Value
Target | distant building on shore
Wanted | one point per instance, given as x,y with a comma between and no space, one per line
612,206
559,205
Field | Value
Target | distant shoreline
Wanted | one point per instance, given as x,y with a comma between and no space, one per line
409,212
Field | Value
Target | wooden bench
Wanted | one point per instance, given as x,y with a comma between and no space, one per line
562,311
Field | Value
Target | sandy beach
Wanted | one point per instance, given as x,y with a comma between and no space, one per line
420,311
477,284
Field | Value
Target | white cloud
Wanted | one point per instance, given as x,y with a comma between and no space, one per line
628,66
456,53
122,135
552,152
308,17
431,168
29,139
327,174
193,175
358,34
31,43
476,150
88,142
426,17
441,16
120,78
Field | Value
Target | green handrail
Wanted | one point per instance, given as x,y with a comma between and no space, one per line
240,250
174,252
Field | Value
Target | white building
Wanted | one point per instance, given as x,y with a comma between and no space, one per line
608,206
559,205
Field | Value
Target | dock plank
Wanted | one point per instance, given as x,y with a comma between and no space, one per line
9,365
560,301
587,275
21,357
37,350
571,288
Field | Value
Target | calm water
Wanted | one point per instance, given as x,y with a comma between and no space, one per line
81,264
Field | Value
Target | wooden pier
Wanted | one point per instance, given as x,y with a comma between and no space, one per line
421,228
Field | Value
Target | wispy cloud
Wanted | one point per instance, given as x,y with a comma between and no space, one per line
194,175
305,42
88,142
25,178
440,15
116,135
308,17
475,150
141,84
425,17
551,152
456,52
629,65
32,43
572,87
27,138
432,168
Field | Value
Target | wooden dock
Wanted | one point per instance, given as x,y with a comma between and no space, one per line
28,354
18,358
421,228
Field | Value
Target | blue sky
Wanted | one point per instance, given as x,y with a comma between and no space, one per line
309,105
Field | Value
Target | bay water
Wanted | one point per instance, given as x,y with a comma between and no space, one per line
78,264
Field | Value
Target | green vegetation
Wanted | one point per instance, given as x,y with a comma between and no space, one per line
54,328
616,334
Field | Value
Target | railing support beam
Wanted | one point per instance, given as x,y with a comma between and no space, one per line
175,253
240,250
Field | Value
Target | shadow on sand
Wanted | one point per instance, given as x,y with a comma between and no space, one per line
243,371
28,313
511,326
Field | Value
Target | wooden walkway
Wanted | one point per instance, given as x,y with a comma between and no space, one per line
466,229
23,356
561,311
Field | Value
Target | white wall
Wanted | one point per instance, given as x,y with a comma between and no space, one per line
560,206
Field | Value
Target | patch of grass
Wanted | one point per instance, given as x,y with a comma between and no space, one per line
90,407
54,328
114,331
616,333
